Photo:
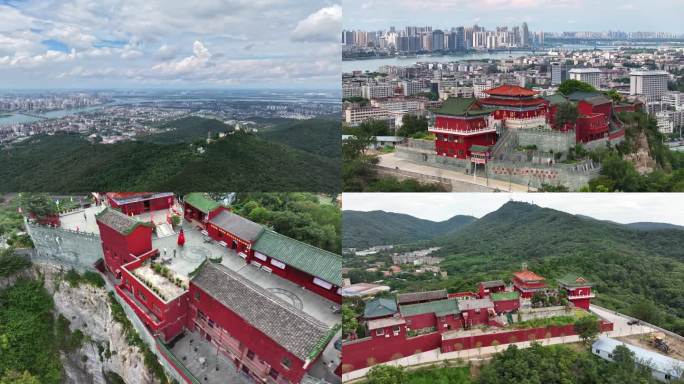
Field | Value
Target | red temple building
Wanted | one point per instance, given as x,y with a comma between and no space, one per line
460,124
135,203
199,209
245,321
267,338
427,321
528,283
516,107
578,290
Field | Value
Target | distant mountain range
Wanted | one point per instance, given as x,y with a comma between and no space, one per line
628,264
366,229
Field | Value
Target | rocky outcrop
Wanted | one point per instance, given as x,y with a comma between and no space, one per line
105,348
641,158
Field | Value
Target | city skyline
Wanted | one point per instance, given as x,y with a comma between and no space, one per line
546,15
134,44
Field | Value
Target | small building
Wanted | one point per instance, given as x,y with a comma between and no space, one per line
578,290
487,287
528,283
476,312
198,208
663,368
432,316
135,203
517,107
380,307
267,339
363,289
123,238
421,297
234,231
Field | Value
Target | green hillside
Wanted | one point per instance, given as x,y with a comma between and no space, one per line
322,136
631,268
68,162
188,129
365,229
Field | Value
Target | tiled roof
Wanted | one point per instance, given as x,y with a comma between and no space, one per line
128,197
466,305
237,225
312,260
501,296
556,99
201,202
512,102
294,330
527,276
598,100
509,90
118,221
579,95
461,106
573,280
439,308
382,323
379,307
421,296
492,283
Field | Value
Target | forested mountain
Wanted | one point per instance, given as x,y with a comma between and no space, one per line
321,136
631,268
365,229
68,162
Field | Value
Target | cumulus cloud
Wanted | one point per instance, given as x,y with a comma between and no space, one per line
322,25
200,57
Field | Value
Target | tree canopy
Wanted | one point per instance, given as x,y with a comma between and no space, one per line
569,86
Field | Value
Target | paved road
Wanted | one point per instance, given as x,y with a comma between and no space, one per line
620,326
390,160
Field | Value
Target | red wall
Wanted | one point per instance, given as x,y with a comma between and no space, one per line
118,247
475,318
219,234
303,279
138,207
265,348
459,146
421,321
506,305
365,352
591,127
460,124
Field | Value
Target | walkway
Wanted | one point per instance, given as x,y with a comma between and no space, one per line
390,160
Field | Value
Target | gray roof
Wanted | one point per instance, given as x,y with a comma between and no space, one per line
465,305
421,296
118,221
655,360
492,283
291,328
237,225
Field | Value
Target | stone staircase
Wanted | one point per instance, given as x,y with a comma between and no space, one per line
164,230
508,141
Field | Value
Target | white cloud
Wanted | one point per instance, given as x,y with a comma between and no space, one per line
200,57
322,25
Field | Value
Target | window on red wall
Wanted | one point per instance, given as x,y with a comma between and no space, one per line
200,314
273,373
286,362
197,295
250,354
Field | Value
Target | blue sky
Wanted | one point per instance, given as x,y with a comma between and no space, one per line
547,15
170,43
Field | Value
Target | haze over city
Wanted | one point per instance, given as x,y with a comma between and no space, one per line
547,15
172,44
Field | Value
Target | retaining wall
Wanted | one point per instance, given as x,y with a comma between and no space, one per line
63,247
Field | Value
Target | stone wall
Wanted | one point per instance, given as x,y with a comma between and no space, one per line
546,140
62,247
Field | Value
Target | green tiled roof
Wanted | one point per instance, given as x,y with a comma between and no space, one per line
312,260
480,148
461,106
439,308
323,342
379,307
574,280
118,221
556,99
201,202
500,296
579,95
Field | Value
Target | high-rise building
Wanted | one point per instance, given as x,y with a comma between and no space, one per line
650,85
525,35
588,75
437,40
559,73
460,43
